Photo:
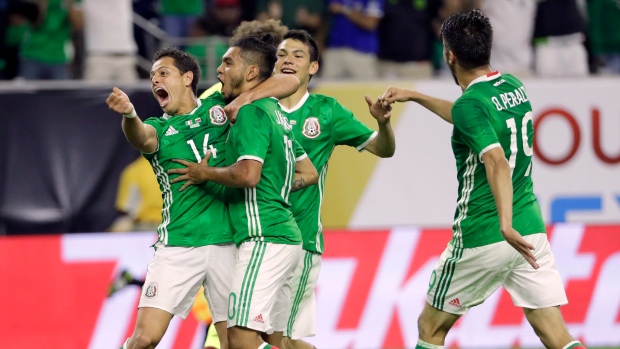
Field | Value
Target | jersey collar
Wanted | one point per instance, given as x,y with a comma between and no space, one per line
488,77
198,104
299,104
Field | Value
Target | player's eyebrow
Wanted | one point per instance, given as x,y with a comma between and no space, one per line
160,68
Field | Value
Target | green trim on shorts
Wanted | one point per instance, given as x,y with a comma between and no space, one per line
303,282
249,281
446,277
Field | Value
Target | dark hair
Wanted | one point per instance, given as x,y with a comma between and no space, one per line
258,28
260,52
182,61
303,36
469,36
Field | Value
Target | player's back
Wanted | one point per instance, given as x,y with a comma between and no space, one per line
262,213
196,216
492,111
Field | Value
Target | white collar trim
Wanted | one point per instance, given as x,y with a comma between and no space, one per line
198,104
487,77
298,105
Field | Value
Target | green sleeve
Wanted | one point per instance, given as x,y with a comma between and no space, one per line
300,153
472,123
595,26
348,130
252,133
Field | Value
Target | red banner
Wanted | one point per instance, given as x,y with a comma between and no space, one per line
371,290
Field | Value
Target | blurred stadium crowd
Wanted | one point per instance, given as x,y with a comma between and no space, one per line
113,40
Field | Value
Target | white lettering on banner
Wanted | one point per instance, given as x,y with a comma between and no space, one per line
393,295
332,289
600,326
131,252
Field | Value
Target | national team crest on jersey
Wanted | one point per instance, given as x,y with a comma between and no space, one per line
217,115
312,128
151,290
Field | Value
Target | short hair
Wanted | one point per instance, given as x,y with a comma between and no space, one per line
469,36
182,61
303,36
260,52
258,29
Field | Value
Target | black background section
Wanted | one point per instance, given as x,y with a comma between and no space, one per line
61,155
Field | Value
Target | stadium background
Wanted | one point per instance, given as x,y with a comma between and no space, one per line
386,220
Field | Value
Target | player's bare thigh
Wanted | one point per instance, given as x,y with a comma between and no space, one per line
434,324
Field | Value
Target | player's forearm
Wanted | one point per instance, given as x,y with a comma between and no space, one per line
235,176
498,175
440,107
303,180
278,86
385,143
136,134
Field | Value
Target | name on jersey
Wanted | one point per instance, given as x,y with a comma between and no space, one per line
510,99
283,120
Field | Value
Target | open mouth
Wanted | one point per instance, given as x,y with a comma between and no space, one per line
162,96
288,71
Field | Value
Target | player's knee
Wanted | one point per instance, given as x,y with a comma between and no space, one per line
235,340
145,341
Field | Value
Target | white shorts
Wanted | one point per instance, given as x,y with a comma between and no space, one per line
175,275
464,278
261,287
302,311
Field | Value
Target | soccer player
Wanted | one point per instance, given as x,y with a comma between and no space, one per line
498,233
264,164
320,123
194,235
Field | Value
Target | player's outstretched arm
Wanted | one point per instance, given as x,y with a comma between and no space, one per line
278,86
140,136
305,174
498,175
384,144
440,107
242,174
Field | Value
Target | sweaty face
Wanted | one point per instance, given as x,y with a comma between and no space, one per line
168,84
294,58
231,74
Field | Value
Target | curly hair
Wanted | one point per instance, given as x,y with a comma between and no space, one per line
258,29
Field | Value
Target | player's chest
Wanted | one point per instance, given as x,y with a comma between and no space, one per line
310,130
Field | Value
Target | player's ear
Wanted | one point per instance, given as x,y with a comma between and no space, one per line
252,73
314,67
188,77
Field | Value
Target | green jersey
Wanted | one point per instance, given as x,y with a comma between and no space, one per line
494,111
262,213
320,123
196,216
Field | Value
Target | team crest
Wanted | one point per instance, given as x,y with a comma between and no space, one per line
151,290
312,128
217,115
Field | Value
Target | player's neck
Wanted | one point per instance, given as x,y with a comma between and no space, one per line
465,77
292,100
189,103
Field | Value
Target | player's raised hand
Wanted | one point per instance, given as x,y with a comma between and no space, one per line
119,102
379,111
233,107
395,94
193,173
523,247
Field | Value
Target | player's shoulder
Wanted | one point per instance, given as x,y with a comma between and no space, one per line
317,98
266,104
214,98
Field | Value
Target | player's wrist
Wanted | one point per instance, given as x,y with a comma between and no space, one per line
131,115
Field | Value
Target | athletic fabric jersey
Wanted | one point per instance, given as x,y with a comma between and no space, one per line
262,213
494,111
320,123
196,216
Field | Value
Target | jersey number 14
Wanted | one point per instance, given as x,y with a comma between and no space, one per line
205,147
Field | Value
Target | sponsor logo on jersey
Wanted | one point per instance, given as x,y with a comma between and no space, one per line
171,131
455,303
151,290
217,115
259,318
193,123
312,128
